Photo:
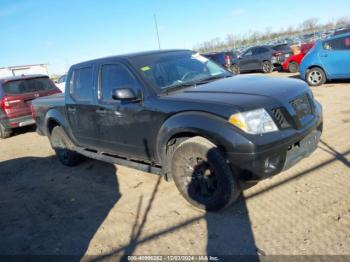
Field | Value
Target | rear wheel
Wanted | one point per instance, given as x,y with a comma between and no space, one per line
63,147
293,67
266,67
203,176
5,132
315,77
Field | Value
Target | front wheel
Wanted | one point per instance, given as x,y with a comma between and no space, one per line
203,176
266,67
315,77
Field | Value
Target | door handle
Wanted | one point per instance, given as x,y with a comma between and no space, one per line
72,109
101,111
324,55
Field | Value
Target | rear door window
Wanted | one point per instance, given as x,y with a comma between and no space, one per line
249,52
28,86
81,84
341,43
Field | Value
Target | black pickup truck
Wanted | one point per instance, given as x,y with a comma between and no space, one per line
177,114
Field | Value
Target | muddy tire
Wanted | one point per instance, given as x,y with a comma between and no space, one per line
266,67
315,77
203,176
5,132
63,147
293,67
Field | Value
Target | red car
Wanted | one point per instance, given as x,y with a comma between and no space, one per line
16,94
292,63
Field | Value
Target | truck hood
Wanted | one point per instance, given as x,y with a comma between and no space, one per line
245,92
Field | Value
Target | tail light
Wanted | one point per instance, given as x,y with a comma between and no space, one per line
227,59
4,104
277,54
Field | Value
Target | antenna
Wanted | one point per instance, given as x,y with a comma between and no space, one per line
156,25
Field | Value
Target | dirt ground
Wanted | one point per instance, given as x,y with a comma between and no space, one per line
102,209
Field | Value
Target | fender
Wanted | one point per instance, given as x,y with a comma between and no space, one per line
210,126
57,116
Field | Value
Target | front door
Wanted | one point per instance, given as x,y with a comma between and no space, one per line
248,60
122,124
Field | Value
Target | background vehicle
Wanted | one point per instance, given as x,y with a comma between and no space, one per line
329,59
342,31
285,49
228,60
262,58
61,83
179,114
292,63
16,95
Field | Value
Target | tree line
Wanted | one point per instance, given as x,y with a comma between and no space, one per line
233,41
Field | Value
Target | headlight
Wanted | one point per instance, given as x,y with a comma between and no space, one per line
254,122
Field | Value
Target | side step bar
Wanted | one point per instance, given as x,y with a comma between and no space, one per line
119,161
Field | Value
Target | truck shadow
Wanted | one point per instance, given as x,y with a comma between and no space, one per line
49,209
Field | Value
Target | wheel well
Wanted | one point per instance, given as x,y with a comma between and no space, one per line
180,137
314,66
51,124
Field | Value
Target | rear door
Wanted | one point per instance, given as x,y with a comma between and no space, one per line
81,106
18,94
335,57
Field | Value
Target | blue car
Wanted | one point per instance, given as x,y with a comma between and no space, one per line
329,59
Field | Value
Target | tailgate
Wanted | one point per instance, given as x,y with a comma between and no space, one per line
19,105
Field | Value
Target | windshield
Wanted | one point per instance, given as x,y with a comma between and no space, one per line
28,85
167,70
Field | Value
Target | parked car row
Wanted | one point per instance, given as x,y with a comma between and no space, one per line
262,58
328,59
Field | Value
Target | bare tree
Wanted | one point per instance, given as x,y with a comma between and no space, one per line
253,37
343,21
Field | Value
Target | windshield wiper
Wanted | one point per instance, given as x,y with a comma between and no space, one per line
195,83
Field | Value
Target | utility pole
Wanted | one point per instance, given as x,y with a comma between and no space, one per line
156,25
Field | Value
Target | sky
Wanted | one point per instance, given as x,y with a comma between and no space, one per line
63,32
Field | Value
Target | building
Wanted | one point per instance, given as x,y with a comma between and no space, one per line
24,70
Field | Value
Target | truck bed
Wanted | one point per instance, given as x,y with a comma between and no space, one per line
40,107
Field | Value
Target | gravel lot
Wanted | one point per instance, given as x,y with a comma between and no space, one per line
102,209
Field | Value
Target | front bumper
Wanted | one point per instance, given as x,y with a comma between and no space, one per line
280,156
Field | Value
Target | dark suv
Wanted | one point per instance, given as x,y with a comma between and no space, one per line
229,60
16,95
263,58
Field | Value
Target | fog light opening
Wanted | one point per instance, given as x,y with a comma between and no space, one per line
272,163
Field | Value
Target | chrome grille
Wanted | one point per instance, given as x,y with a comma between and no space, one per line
279,116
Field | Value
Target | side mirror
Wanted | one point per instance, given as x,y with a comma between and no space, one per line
124,94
